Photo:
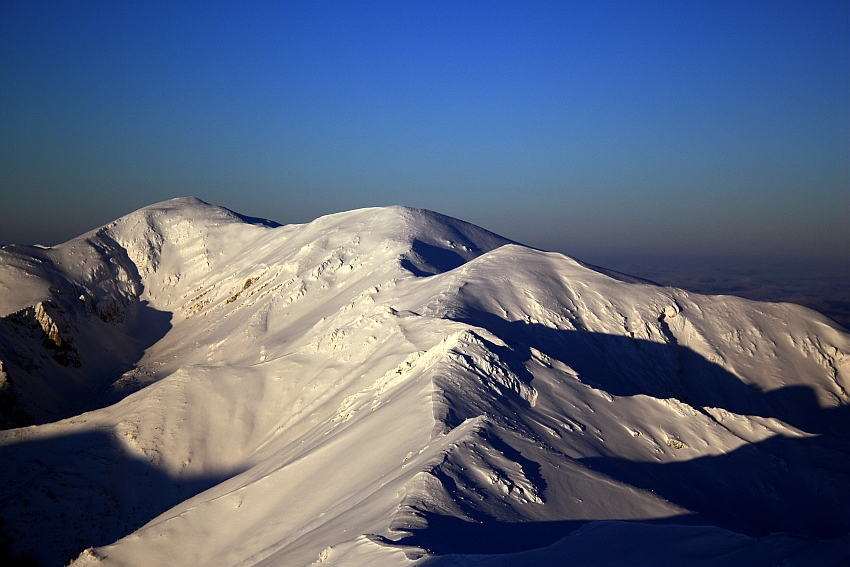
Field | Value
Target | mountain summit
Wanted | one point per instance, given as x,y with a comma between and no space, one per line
391,386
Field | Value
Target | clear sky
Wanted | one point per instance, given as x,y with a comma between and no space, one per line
591,128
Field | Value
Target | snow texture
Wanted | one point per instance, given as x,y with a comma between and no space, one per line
390,386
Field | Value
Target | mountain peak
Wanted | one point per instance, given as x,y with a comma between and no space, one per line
403,385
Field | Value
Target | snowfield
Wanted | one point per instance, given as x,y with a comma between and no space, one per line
190,387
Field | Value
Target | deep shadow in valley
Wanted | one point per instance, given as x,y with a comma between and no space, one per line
447,535
46,379
781,484
60,495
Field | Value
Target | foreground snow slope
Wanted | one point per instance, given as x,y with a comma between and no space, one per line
391,386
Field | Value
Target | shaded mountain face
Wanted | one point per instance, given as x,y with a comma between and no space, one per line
392,387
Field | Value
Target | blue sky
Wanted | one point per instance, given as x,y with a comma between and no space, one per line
592,128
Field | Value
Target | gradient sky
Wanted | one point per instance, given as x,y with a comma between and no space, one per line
591,128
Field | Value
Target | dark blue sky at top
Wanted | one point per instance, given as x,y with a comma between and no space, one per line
591,128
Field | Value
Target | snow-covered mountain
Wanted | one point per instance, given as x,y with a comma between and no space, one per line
391,386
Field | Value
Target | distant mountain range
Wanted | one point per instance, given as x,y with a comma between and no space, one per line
391,386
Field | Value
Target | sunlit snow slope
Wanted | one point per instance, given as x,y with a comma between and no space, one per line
391,386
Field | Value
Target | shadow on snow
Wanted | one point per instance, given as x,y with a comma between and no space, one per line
78,491
782,484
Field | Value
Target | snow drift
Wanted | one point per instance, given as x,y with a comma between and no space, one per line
390,386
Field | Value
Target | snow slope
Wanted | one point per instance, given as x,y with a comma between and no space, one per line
391,386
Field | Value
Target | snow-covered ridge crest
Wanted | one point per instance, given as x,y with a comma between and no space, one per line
183,225
391,385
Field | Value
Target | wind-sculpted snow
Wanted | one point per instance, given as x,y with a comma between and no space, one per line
393,387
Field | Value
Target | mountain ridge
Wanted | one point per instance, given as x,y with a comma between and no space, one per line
405,387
